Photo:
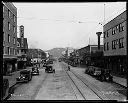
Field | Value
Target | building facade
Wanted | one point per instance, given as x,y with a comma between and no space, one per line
22,48
9,37
115,43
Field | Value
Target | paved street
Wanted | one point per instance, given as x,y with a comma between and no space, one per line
58,86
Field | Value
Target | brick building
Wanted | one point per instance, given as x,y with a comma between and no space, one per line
9,37
115,43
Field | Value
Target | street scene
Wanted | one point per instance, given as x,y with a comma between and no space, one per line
61,51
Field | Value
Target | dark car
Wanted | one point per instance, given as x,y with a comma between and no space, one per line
5,88
106,75
35,70
49,69
25,76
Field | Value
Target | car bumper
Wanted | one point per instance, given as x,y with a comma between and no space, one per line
35,73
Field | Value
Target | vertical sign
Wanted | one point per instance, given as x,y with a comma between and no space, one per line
22,35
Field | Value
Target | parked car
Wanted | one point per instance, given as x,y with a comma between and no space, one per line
5,88
49,69
106,75
25,76
35,70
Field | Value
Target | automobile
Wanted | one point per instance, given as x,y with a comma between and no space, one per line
35,70
90,70
105,75
5,88
96,71
25,76
49,69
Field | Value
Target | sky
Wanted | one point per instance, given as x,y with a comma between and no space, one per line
51,25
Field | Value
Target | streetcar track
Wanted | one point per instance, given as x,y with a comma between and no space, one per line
75,86
89,85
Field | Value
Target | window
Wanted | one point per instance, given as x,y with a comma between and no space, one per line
9,13
107,45
9,26
107,33
121,43
3,36
113,30
121,27
8,38
104,34
113,44
14,29
104,46
8,48
14,18
3,50
14,40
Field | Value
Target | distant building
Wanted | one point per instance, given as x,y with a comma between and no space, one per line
22,48
9,37
85,53
115,43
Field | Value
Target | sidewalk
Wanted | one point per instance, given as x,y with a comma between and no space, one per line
119,80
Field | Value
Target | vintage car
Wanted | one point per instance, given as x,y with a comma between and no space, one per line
5,88
25,76
105,75
49,69
35,70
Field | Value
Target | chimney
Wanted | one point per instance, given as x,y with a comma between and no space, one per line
98,34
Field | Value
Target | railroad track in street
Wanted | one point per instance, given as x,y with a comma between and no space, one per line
75,86
91,86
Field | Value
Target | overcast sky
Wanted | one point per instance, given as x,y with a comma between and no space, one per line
50,25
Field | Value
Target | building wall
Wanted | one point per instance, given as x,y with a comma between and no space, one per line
11,32
115,25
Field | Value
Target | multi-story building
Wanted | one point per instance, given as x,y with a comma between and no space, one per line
22,48
9,37
115,43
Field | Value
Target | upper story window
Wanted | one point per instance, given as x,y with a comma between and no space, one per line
8,48
9,26
121,42
14,18
113,44
113,30
14,40
14,28
8,38
107,45
3,36
121,27
9,13
104,46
